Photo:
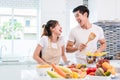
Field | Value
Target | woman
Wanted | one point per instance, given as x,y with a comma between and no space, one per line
51,44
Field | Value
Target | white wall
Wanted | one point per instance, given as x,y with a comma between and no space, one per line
104,10
59,10
19,3
53,9
70,5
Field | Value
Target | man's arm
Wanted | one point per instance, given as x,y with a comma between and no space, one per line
70,47
102,45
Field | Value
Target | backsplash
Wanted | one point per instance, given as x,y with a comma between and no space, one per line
112,35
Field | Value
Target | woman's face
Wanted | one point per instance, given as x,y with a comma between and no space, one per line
57,29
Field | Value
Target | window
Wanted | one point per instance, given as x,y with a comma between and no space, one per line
27,24
18,31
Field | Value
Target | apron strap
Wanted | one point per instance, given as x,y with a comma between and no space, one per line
50,43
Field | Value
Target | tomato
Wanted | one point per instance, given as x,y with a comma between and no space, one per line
92,73
89,70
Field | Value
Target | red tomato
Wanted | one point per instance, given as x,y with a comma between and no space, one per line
89,70
92,73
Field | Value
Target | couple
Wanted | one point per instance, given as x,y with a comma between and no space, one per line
51,45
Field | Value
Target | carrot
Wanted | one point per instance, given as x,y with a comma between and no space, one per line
74,69
43,66
58,70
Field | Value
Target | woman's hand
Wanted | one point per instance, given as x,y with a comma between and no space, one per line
44,62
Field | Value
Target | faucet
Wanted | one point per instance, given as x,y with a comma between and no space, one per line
3,47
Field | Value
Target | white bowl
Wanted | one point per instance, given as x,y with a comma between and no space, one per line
43,71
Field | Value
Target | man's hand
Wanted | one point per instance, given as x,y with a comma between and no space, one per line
97,51
81,47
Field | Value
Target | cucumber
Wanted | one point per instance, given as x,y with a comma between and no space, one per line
53,74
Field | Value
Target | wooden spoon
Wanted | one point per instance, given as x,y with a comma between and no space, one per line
91,37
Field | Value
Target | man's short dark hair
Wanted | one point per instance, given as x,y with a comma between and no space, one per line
82,9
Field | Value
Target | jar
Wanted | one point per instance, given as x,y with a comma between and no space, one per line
90,59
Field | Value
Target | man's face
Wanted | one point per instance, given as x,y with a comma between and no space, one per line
80,18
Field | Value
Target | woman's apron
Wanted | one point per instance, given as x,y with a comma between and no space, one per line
52,55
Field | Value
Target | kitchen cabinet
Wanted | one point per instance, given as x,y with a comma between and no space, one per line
104,10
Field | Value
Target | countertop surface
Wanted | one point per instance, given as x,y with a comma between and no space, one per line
33,74
17,62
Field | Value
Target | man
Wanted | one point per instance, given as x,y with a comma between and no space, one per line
78,37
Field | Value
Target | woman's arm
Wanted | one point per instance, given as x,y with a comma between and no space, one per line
37,53
64,56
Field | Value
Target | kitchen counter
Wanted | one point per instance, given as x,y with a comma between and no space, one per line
26,70
116,64
22,61
33,75
17,63
12,70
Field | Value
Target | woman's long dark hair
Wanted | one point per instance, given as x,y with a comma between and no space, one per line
47,31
